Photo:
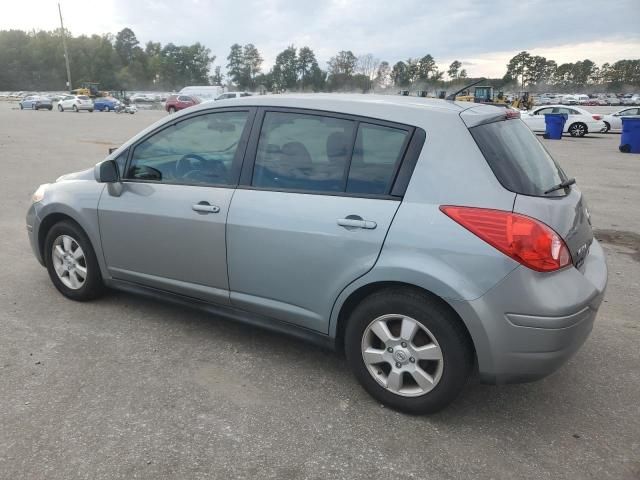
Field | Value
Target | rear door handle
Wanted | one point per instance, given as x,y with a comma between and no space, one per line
355,221
205,207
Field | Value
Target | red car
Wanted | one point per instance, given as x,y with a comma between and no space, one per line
179,102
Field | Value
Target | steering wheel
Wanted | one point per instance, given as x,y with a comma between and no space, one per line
185,166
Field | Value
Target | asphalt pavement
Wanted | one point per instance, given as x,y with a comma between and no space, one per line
124,387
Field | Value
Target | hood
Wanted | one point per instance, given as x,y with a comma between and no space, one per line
81,175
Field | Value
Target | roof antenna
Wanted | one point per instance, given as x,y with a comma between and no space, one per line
453,95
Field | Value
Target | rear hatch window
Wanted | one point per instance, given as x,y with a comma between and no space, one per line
523,165
518,160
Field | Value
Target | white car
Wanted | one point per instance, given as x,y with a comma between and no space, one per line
578,124
569,100
613,121
75,103
631,99
228,95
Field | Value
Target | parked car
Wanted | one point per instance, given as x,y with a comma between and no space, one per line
179,102
203,92
569,100
36,102
544,100
75,103
105,104
631,99
340,220
613,121
578,124
228,95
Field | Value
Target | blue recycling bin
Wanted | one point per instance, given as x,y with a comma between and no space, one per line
554,125
630,138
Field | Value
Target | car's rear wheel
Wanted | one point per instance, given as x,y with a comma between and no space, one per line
21,107
91,110
106,109
172,110
75,108
408,350
607,127
50,107
578,130
60,109
71,262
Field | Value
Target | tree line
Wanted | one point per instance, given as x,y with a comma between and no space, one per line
35,61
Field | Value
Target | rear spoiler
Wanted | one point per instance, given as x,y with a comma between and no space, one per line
482,114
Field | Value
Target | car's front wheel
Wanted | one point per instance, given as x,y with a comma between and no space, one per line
71,262
60,109
607,127
578,130
408,350
75,108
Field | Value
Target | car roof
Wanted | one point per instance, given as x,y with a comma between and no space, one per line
395,108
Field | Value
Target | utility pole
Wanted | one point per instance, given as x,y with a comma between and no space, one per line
64,46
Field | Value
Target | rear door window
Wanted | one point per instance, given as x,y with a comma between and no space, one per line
518,160
376,154
303,152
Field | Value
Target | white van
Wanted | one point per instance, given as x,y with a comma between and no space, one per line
204,92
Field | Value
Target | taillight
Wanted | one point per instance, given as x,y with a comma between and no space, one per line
525,239
597,117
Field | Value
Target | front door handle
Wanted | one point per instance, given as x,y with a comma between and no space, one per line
205,207
356,221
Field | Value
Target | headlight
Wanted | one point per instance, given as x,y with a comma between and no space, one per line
38,195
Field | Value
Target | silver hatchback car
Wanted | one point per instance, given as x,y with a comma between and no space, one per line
425,238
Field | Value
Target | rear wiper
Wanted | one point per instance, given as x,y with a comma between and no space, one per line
567,183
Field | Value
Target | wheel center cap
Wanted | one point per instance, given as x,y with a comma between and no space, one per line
401,356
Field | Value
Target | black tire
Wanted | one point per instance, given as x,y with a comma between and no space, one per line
21,107
172,110
93,286
91,111
75,108
607,127
441,321
60,109
34,106
50,108
578,129
106,109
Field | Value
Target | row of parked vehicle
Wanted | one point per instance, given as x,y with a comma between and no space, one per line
579,121
76,103
602,99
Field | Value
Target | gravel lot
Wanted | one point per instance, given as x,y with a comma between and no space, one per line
127,388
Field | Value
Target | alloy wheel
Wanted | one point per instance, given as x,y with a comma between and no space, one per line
577,130
69,262
402,355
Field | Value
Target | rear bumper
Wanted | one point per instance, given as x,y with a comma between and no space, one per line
531,323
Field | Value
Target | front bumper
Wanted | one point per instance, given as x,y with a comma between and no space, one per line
33,226
531,323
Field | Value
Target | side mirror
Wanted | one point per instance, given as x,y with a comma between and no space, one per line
107,172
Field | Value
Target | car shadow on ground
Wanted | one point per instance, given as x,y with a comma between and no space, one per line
477,402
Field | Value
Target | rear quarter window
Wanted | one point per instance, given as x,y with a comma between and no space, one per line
516,157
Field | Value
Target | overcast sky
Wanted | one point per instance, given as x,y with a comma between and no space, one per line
483,34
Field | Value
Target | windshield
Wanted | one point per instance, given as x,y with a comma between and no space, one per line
518,160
